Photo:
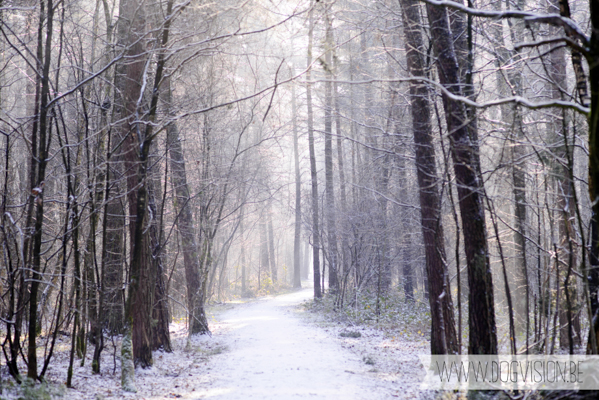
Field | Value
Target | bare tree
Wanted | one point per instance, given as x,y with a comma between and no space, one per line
443,333
328,153
184,220
465,154
313,175
297,264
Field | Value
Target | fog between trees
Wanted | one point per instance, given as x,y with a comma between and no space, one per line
161,155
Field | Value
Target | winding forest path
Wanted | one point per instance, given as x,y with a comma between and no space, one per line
270,353
264,349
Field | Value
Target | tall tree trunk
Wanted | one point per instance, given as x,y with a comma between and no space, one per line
32,91
198,323
146,283
271,244
297,282
509,82
161,339
78,300
242,199
593,275
103,182
140,299
43,130
407,269
306,261
328,154
242,255
463,140
113,250
342,262
10,251
113,230
95,182
443,333
264,257
90,260
557,135
313,175
135,153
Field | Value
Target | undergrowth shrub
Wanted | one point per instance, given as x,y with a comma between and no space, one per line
391,313
31,390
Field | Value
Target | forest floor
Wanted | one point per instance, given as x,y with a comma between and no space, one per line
266,348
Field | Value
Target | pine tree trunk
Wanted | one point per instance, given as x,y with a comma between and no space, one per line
463,140
313,175
328,156
593,273
443,333
557,135
297,282
343,256
242,200
43,130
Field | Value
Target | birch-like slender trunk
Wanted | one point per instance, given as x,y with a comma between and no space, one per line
330,214
41,137
297,265
313,175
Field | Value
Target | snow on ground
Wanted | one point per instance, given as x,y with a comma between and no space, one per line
262,349
389,359
273,354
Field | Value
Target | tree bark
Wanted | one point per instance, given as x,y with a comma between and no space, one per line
343,256
128,81
271,244
297,266
41,129
197,321
161,339
242,256
242,199
313,175
306,261
463,140
593,273
443,333
557,135
113,253
264,256
509,82
328,155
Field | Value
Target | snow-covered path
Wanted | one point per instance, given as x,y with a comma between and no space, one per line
262,349
273,354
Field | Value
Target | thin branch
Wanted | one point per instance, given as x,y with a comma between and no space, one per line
571,43
492,103
273,91
571,28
